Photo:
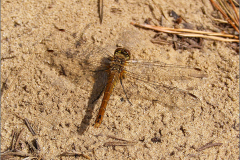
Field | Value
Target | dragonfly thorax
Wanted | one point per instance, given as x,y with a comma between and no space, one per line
117,64
119,59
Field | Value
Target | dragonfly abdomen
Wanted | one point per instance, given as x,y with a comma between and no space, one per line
116,72
112,80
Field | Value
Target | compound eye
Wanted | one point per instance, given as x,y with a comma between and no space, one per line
127,53
118,51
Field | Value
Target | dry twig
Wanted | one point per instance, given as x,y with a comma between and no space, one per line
191,33
29,126
13,149
208,145
113,137
16,153
18,139
100,10
124,143
225,11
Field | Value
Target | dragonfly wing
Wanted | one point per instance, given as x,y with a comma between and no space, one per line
158,71
92,56
150,88
85,66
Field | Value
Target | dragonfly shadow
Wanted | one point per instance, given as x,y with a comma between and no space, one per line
81,71
100,81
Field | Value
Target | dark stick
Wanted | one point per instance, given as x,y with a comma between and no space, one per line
18,139
208,145
29,126
100,9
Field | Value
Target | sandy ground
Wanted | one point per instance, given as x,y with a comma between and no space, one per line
57,100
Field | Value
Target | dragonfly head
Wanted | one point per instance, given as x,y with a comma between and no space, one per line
122,52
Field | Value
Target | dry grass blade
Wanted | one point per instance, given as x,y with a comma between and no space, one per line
18,139
230,12
13,149
186,33
235,10
113,137
100,10
29,126
208,37
223,12
14,134
29,158
219,20
124,143
208,145
236,3
16,153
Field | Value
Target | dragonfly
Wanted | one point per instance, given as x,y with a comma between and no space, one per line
132,78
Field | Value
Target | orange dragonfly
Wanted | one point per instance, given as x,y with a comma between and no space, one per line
134,76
